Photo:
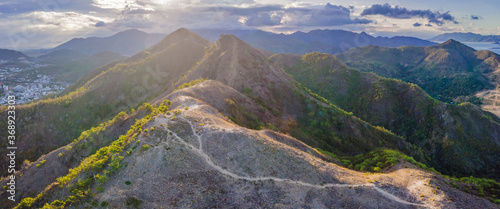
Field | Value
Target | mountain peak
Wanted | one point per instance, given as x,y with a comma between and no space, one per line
229,40
176,36
182,31
130,32
451,42
456,45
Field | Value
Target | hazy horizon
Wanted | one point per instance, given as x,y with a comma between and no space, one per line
35,25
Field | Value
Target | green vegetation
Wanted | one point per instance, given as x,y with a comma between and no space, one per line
487,188
134,202
323,126
377,160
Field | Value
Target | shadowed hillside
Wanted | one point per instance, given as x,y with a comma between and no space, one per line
127,43
455,139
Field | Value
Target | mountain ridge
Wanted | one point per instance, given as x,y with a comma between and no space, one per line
136,41
12,55
327,41
466,37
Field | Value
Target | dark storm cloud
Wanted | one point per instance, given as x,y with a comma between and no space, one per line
403,13
417,24
330,15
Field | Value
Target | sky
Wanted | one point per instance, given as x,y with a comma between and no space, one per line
34,24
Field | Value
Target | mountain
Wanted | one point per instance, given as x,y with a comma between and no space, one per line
109,89
466,37
71,71
188,123
449,71
455,139
62,56
11,55
327,41
127,43
192,156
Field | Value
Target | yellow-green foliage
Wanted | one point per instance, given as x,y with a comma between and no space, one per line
192,83
41,163
110,155
101,127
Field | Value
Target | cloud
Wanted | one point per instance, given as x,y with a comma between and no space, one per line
45,29
233,2
475,17
263,19
403,13
277,15
100,24
417,24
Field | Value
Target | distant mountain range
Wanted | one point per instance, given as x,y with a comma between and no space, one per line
466,37
11,55
326,41
445,71
127,43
